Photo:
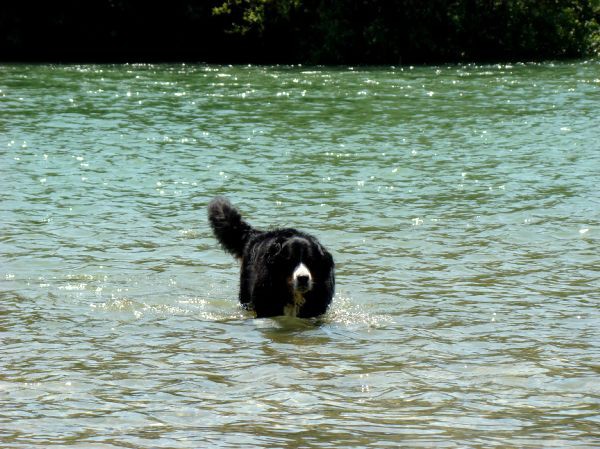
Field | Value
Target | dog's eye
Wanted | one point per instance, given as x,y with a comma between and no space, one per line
285,253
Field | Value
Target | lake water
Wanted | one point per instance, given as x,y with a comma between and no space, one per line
461,203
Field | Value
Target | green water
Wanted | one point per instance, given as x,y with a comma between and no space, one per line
461,203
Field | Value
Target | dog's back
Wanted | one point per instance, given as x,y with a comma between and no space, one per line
228,226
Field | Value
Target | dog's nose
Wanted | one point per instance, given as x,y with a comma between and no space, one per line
302,277
303,280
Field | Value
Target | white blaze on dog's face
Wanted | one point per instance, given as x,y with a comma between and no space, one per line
301,283
301,279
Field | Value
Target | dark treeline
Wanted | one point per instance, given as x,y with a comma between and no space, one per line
298,31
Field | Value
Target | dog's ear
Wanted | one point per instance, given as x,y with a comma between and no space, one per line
273,252
326,257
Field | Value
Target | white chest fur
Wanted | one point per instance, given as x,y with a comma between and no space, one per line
293,309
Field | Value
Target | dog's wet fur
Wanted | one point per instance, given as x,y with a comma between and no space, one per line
283,272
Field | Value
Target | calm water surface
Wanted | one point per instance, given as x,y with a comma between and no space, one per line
462,205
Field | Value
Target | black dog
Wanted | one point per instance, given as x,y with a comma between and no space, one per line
284,271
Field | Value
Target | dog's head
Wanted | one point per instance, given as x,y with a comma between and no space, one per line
303,261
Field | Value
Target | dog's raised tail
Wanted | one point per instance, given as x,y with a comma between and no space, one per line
228,226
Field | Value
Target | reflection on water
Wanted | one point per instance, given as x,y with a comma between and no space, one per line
460,202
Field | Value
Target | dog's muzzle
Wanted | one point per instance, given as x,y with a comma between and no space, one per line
302,279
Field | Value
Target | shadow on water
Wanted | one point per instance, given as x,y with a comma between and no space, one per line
293,331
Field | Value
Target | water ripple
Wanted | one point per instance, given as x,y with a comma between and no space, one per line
460,203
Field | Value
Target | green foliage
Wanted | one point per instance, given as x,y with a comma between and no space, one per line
300,31
251,15
371,31
592,30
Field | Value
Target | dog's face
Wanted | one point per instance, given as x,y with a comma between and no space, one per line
302,261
